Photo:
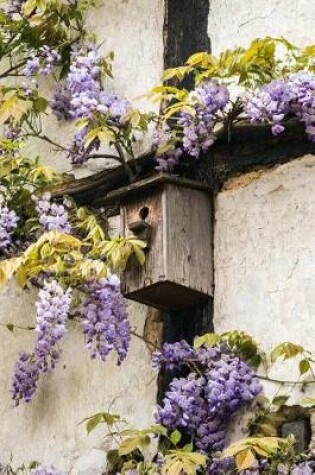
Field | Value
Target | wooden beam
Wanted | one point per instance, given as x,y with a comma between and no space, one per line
250,147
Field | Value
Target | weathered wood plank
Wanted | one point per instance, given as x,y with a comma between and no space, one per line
178,271
250,147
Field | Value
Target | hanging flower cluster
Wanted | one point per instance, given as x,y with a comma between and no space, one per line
8,223
193,131
208,100
104,324
52,313
104,319
274,102
226,466
52,215
83,96
203,403
43,63
193,128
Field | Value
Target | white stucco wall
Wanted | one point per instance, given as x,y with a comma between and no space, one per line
133,30
237,22
264,234
264,250
47,429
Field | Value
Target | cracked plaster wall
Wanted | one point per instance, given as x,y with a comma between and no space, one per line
264,250
237,22
48,428
264,244
133,30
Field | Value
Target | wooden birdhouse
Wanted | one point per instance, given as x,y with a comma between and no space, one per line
174,217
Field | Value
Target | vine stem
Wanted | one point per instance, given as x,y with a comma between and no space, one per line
43,137
141,337
122,160
105,155
284,381
10,325
48,140
12,68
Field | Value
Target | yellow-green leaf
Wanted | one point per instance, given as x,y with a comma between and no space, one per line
245,459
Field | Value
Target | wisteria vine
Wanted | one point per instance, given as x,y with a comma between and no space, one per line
210,106
203,403
75,283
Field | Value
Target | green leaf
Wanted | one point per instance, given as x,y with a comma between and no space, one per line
113,457
188,447
245,459
175,437
199,59
8,267
10,327
308,401
280,400
133,443
157,429
93,422
29,6
13,107
208,339
100,418
304,366
197,458
40,104
286,351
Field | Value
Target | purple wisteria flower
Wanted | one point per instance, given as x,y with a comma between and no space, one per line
13,132
304,468
173,355
302,86
52,216
113,106
78,151
83,97
269,104
104,319
25,378
221,466
202,404
52,313
170,157
208,99
43,63
83,83
61,103
272,103
85,89
8,224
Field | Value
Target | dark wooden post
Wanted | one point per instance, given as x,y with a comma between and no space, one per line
185,33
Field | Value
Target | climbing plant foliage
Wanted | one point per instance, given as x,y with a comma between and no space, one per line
53,68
